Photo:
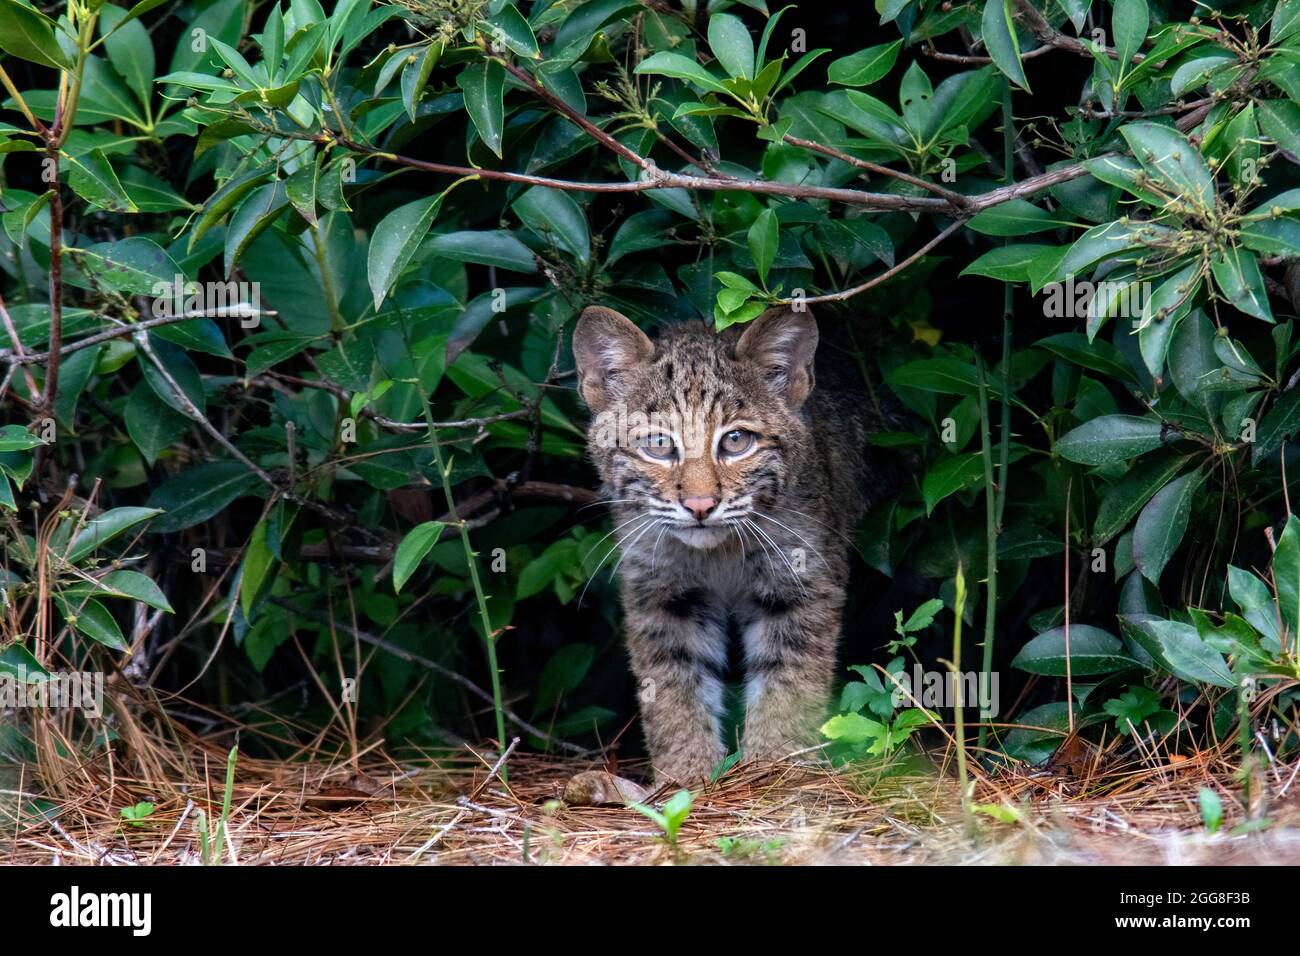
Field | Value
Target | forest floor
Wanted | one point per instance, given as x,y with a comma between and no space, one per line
459,808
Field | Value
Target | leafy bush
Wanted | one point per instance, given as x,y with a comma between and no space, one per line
301,281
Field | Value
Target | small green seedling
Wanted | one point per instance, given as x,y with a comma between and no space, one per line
1001,812
1211,810
138,814
673,815
920,619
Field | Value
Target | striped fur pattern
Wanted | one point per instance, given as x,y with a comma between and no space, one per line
734,484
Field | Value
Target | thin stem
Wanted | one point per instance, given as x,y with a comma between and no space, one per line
485,619
55,284
22,103
990,539
959,716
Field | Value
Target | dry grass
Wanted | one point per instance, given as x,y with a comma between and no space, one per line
450,808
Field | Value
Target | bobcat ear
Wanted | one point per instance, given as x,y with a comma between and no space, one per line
606,343
783,342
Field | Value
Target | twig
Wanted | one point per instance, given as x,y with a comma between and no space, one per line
887,274
451,675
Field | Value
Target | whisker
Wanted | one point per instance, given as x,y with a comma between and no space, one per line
816,520
759,514
654,555
793,573
615,529
639,534
591,577
604,501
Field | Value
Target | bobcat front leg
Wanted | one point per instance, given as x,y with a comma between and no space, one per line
789,662
677,644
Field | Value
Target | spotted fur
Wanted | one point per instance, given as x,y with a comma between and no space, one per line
767,561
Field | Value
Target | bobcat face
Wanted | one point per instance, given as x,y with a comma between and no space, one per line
697,430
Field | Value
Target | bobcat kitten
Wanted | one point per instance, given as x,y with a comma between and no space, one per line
734,486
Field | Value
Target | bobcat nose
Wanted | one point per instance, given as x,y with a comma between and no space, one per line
699,506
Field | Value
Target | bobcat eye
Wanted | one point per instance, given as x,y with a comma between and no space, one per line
658,446
736,442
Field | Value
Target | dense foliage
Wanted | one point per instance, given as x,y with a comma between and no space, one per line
361,460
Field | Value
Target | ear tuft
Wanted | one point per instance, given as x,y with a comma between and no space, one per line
783,343
605,344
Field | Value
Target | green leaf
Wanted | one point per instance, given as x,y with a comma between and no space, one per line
94,621
1107,240
152,424
950,476
1163,311
1211,809
1124,499
1100,356
257,573
764,238
1017,217
1009,263
484,87
17,438
224,200
196,495
1179,649
864,67
732,45
852,729
1092,651
946,376
394,241
1040,732
1237,275
1255,601
682,68
418,542
262,207
415,76
1281,422
554,214
1193,73
1111,438
999,31
509,28
29,35
1285,21
1241,139
129,49
1191,354
1286,574
182,371
18,662
1171,161
563,674
137,587
103,529
300,190
1280,121
1130,22
1162,524
91,177
136,265
490,248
